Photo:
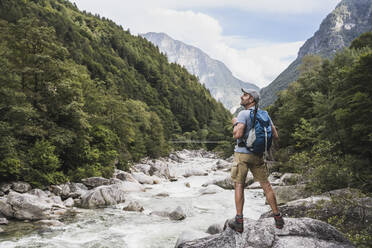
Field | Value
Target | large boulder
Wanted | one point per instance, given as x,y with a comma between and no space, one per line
28,207
76,190
345,203
286,194
289,178
21,187
93,182
124,176
103,196
297,233
143,178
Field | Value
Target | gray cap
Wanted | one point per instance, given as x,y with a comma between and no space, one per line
254,93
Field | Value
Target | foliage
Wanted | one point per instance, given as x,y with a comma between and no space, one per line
91,94
324,120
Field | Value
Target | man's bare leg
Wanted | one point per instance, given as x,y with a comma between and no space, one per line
270,196
239,198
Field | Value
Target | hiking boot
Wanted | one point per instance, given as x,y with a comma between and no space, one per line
235,224
279,222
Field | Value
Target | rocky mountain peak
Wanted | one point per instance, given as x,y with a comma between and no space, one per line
346,22
212,73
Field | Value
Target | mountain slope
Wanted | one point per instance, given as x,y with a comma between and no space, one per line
349,19
80,95
212,73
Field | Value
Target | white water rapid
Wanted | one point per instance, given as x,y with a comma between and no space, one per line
112,227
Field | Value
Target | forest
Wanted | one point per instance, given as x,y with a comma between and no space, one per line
80,96
325,122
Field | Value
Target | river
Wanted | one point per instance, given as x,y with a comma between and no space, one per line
112,227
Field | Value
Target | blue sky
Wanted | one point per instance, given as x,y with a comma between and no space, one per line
256,39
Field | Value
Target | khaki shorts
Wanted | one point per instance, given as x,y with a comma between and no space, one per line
243,162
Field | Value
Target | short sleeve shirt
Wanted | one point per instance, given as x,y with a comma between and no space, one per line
243,117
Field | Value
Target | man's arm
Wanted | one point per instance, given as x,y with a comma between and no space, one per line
238,130
275,132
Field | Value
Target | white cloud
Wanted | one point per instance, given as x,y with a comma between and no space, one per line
255,61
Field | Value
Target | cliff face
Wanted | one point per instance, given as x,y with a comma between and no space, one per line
212,73
350,19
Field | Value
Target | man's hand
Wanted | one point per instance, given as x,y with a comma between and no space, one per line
234,120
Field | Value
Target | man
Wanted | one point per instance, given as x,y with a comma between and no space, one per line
245,159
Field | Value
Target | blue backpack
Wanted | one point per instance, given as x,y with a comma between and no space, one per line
260,136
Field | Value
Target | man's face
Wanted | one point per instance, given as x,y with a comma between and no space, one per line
246,99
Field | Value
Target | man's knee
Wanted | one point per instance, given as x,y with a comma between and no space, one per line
266,186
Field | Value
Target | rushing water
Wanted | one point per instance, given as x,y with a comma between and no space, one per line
112,227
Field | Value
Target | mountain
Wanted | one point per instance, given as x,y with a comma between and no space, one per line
349,19
212,73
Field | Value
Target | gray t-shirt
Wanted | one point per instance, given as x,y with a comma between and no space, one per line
244,117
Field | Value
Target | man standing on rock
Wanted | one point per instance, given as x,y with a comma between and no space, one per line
245,159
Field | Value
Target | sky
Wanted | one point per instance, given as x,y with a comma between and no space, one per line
255,39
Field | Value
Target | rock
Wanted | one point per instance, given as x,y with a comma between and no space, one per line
38,193
21,187
5,187
69,202
163,194
132,187
26,206
1,230
93,182
210,189
255,185
103,196
289,178
77,202
285,194
50,223
55,189
5,207
297,233
159,169
215,228
177,214
1,193
173,179
57,201
134,206
276,175
187,184
230,159
125,176
222,164
77,190
176,158
189,235
3,221
195,172
226,182
160,213
356,209
142,178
